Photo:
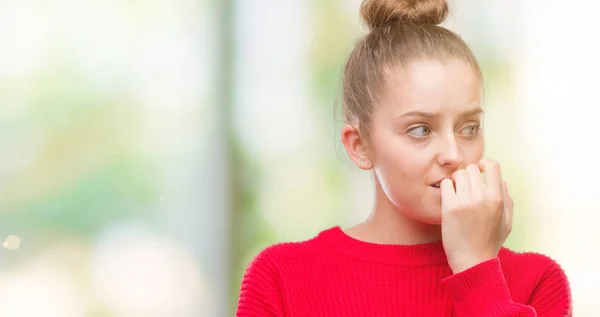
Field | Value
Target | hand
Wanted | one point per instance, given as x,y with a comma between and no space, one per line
476,217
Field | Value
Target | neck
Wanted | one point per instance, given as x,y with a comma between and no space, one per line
389,225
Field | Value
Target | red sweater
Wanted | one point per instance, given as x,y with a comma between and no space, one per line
334,275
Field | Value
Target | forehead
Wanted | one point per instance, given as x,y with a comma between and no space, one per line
450,86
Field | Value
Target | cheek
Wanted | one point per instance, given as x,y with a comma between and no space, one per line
400,155
401,173
401,164
473,151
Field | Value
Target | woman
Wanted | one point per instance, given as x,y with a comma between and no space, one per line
432,245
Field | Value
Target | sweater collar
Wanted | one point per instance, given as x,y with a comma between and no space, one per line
408,255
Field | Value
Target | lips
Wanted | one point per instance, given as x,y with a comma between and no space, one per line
437,183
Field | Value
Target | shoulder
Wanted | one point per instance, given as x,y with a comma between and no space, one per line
530,262
279,255
536,276
264,281
262,284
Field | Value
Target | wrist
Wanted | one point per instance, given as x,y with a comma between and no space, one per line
480,291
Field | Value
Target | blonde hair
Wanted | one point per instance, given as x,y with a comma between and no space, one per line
401,31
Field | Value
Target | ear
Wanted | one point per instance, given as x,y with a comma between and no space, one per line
356,147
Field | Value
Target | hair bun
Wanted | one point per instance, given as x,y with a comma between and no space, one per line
377,13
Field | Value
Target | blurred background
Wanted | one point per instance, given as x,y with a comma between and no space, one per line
149,149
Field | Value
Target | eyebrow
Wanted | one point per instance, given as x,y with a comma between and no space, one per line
466,113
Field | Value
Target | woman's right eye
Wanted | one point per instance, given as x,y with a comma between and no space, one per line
420,131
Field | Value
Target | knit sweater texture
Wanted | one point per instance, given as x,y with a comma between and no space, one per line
335,275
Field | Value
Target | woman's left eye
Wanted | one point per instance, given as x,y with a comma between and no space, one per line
470,130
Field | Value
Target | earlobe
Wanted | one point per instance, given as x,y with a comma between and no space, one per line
365,164
355,147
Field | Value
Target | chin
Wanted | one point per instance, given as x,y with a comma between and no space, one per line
431,220
431,216
425,211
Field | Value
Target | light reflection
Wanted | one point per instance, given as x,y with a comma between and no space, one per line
12,243
39,289
136,273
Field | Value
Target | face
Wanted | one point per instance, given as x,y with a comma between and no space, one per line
426,125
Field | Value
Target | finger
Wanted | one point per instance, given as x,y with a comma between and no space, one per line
448,193
508,207
463,185
477,185
493,176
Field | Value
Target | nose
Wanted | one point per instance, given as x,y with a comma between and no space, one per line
450,154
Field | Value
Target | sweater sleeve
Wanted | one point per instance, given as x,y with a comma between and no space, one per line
260,294
482,291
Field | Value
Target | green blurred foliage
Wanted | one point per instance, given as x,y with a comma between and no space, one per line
87,171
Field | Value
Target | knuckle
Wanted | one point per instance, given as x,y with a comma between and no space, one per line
510,202
452,210
490,164
473,167
457,207
497,202
495,165
461,205
459,172
479,200
493,201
